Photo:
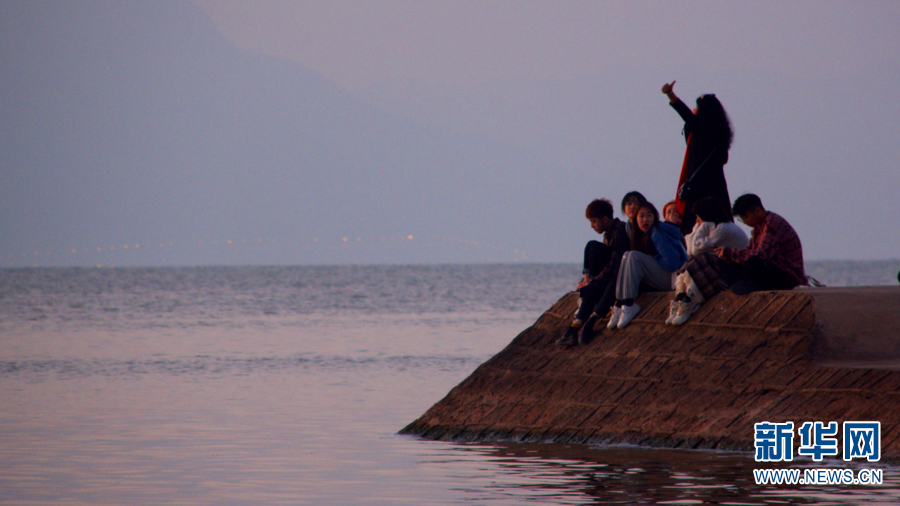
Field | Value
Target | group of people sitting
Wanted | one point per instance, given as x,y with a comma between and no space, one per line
696,250
645,253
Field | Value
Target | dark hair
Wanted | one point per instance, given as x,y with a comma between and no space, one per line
711,209
746,203
599,208
633,196
711,112
640,240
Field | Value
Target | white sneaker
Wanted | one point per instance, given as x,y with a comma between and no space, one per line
614,317
685,310
673,310
628,313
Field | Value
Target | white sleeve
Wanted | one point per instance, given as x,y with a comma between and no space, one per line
730,235
700,240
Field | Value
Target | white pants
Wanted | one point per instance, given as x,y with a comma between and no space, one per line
684,284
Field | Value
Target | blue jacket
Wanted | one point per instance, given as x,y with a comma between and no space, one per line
667,241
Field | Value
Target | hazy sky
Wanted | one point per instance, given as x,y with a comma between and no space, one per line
811,87
470,44
427,131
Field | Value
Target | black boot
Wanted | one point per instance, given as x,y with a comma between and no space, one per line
587,330
570,337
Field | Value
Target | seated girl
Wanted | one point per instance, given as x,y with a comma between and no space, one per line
671,215
630,204
713,229
656,252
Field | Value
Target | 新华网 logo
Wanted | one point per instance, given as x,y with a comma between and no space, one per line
774,441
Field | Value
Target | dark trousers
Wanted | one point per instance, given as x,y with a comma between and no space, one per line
599,294
762,275
596,256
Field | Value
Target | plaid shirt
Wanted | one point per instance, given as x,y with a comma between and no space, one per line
776,242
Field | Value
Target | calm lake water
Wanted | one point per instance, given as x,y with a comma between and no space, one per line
287,385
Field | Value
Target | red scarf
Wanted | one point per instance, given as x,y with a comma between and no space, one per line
679,204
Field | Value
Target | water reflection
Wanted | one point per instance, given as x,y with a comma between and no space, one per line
286,386
533,473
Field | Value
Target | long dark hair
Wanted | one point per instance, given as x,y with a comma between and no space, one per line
712,210
640,240
711,112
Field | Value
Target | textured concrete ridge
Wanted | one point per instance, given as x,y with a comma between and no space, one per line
802,355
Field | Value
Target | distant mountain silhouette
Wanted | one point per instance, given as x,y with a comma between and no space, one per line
136,122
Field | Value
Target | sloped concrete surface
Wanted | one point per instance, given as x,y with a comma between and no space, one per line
769,356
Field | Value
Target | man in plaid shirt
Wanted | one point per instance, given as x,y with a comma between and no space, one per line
774,258
772,261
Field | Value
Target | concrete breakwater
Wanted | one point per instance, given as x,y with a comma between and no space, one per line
825,354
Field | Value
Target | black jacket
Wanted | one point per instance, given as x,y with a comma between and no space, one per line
710,181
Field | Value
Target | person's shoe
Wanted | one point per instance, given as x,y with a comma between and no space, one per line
673,310
685,310
628,313
614,317
587,331
569,338
566,341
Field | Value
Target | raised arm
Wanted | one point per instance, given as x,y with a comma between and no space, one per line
667,90
683,110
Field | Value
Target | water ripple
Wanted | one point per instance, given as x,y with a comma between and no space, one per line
228,366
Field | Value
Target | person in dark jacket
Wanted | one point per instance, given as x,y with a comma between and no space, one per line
597,289
708,135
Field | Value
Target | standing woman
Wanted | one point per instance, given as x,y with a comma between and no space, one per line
708,135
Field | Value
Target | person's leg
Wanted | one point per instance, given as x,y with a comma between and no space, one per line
631,272
693,293
689,304
706,275
758,274
640,268
590,294
570,336
601,310
585,307
656,277
681,286
596,256
681,282
710,274
775,278
626,285
606,301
